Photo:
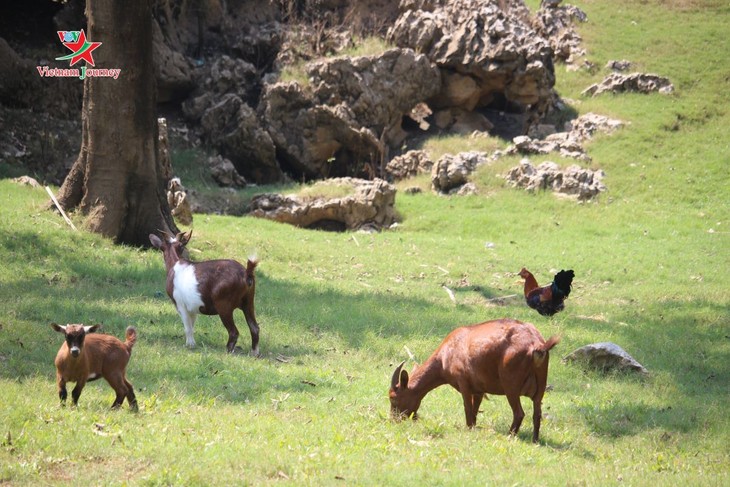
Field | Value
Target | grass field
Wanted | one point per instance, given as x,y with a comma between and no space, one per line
338,312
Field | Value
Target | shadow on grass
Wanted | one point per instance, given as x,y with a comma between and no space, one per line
310,320
501,298
684,340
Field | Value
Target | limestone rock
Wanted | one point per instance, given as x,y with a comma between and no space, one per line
224,172
234,129
379,90
616,65
353,112
556,24
22,86
635,82
177,198
410,164
229,124
316,140
365,204
465,189
574,181
27,181
173,71
569,143
605,356
486,48
452,171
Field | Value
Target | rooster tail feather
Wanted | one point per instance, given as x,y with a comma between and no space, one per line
563,282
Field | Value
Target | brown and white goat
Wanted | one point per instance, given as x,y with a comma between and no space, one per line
86,356
504,357
212,287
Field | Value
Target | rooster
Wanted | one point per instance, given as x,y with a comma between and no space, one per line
547,300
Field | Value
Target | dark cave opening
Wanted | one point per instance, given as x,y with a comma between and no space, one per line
508,117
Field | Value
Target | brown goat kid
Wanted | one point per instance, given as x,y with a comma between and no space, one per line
212,287
505,357
87,356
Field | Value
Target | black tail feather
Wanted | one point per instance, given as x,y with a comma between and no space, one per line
563,282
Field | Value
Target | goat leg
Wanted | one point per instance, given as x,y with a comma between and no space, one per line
253,326
131,398
477,401
227,319
536,417
188,320
118,400
62,393
76,392
518,413
469,411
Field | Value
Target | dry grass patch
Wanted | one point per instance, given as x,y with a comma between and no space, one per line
327,189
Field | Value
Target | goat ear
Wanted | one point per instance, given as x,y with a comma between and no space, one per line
403,379
184,238
396,376
58,328
155,241
91,329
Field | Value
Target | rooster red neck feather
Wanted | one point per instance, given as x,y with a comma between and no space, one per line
530,281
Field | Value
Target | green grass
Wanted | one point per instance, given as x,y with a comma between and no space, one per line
368,46
323,189
453,144
338,311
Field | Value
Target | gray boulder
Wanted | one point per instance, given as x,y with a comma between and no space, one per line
573,181
378,90
605,356
619,65
452,171
233,128
336,204
410,164
173,71
635,83
568,143
316,140
556,24
488,48
344,122
224,172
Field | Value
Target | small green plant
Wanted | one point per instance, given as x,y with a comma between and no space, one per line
296,72
367,46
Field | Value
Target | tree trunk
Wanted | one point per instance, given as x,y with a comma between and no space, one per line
117,182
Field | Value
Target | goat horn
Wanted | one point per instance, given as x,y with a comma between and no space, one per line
396,376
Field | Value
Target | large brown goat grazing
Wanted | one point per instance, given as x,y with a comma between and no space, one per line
86,356
505,357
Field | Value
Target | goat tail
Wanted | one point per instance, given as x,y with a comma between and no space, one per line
539,354
250,267
130,338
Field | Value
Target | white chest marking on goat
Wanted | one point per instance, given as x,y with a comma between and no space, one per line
92,376
185,288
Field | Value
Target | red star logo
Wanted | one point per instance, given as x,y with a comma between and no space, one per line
81,49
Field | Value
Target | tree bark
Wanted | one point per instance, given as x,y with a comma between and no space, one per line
117,182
